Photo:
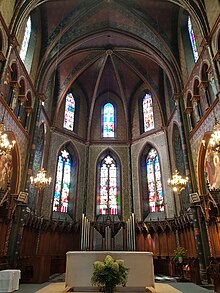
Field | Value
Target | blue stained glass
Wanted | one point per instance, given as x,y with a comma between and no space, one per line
108,120
108,198
26,39
192,40
62,184
155,190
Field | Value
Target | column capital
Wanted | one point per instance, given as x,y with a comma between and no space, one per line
41,97
177,96
13,41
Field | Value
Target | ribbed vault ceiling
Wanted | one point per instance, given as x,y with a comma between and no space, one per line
112,46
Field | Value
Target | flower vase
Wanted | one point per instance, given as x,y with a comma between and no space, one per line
180,259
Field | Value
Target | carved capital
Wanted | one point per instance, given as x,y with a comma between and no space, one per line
28,110
15,85
188,110
203,85
41,97
22,98
13,41
195,98
177,96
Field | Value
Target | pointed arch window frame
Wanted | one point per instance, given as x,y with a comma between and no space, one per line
103,122
26,39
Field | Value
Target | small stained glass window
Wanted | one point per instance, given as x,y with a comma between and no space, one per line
108,120
69,113
148,114
62,185
108,199
192,40
26,39
155,190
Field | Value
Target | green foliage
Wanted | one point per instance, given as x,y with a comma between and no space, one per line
109,273
179,252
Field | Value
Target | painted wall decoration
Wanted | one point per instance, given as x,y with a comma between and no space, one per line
212,169
5,170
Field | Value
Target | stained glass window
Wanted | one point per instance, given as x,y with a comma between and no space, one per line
155,190
148,112
62,185
192,40
69,112
108,198
108,120
26,39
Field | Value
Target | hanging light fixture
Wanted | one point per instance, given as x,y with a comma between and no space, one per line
177,182
40,181
214,142
5,144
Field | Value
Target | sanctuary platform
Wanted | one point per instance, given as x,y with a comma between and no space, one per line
79,270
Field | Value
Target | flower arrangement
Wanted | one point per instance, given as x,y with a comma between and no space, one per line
179,253
109,273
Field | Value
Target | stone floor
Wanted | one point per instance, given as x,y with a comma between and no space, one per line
169,286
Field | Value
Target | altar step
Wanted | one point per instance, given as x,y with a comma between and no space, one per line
164,279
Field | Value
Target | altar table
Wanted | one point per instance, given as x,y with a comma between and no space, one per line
79,269
9,280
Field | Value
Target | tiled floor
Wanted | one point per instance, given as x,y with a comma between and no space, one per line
173,287
164,284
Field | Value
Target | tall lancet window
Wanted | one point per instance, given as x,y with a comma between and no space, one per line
62,183
154,183
192,40
148,114
26,40
69,114
108,200
108,120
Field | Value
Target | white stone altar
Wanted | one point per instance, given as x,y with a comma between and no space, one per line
9,280
79,270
